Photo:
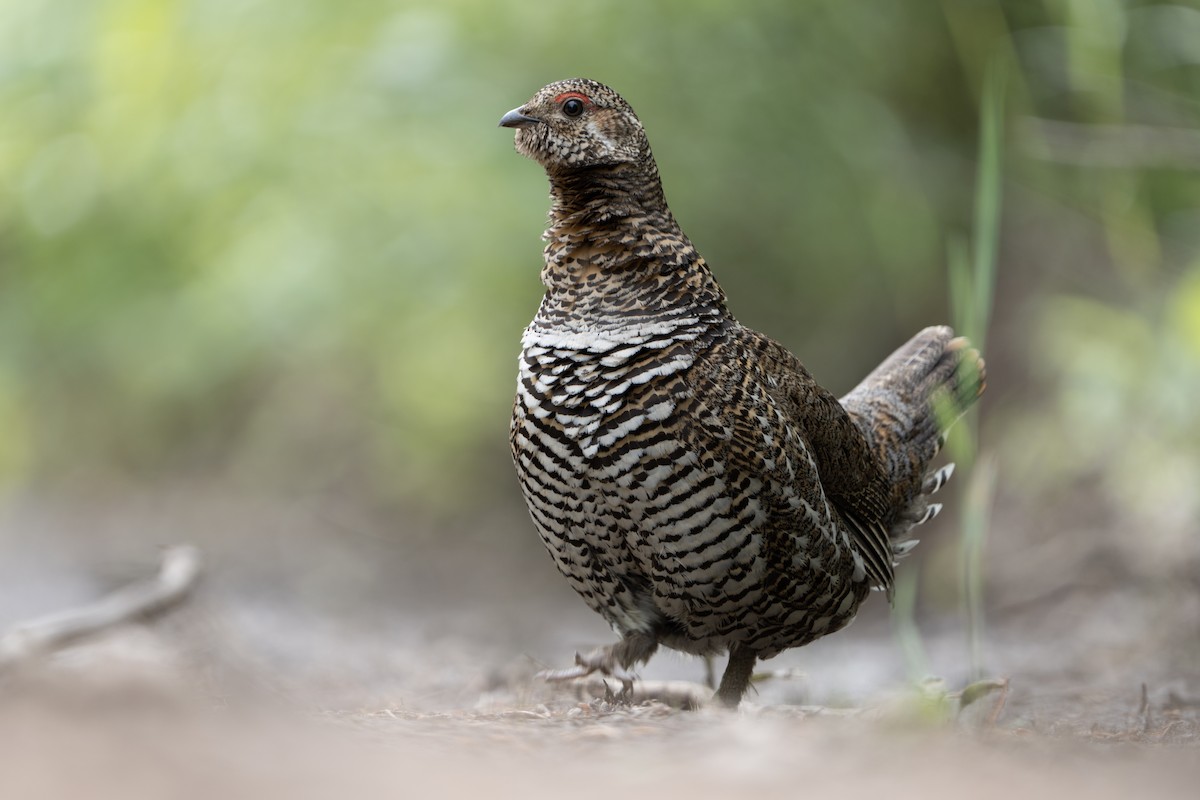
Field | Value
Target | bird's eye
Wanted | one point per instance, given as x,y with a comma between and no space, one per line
573,107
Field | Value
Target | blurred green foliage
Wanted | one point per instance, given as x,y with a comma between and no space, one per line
284,242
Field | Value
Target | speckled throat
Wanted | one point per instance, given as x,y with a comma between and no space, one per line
614,250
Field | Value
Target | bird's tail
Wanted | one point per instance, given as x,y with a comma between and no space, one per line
904,408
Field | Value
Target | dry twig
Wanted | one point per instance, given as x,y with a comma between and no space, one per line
176,577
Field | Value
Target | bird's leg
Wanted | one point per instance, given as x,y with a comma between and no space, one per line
737,676
613,661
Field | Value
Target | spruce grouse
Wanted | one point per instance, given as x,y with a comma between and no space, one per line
688,475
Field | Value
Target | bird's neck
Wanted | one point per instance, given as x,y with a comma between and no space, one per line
608,194
612,235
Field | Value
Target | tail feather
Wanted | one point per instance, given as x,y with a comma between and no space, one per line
937,479
904,408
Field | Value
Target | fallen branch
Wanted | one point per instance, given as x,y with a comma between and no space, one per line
176,577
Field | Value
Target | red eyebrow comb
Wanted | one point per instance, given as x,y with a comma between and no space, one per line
577,95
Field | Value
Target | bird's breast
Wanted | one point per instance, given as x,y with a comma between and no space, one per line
595,388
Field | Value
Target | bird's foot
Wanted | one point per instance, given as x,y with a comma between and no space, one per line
602,660
613,661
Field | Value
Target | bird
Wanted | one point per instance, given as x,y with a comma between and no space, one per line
689,477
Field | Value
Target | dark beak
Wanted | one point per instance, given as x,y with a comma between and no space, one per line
515,119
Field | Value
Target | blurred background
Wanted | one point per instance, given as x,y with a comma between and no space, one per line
264,267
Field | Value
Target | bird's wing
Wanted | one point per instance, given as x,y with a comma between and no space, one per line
851,476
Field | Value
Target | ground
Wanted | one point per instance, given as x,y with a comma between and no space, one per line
307,664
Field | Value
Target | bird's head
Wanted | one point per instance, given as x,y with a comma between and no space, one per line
576,124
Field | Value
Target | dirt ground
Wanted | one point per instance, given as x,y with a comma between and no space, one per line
311,664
